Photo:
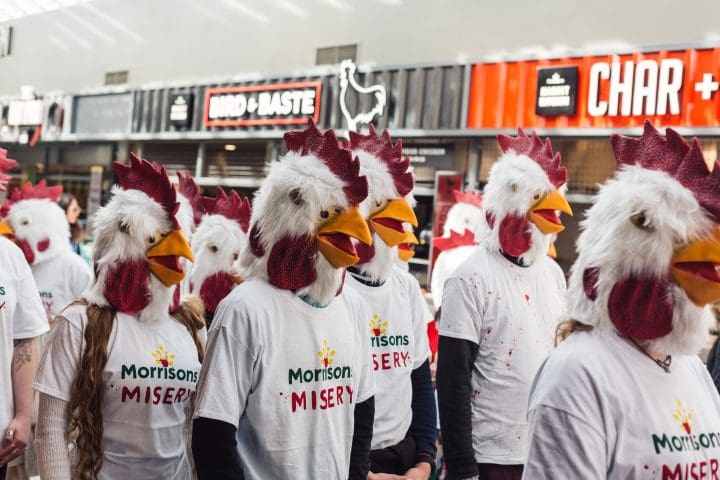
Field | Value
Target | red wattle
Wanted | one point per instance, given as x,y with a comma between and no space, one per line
590,279
43,245
27,250
291,263
642,308
175,303
214,288
127,286
514,235
365,252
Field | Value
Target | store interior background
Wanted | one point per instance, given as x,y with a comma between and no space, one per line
63,47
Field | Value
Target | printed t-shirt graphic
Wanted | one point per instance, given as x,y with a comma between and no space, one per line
511,312
650,424
288,375
21,316
149,379
397,329
61,280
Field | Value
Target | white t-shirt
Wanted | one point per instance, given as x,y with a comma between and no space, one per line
21,316
288,375
61,280
511,312
611,412
445,265
397,329
149,378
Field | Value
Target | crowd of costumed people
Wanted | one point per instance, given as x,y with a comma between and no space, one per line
221,337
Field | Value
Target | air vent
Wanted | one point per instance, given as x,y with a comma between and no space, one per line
116,78
333,55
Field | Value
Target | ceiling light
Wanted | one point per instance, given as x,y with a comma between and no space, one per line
230,148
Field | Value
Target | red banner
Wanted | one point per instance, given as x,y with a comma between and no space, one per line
678,88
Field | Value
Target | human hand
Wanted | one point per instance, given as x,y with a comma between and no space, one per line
386,476
421,471
17,436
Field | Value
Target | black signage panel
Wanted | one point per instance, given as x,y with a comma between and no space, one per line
556,91
180,109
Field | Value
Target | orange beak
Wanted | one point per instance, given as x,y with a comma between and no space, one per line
552,253
7,231
388,222
544,213
164,258
695,269
333,237
405,249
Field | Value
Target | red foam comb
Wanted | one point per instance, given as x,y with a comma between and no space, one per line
152,180
190,190
381,147
233,207
327,149
673,155
5,165
468,196
41,191
454,240
541,153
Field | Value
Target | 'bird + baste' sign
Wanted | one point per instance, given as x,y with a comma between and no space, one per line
270,104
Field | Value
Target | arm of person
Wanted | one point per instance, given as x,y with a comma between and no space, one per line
563,446
221,461
423,426
226,379
52,452
362,439
455,362
17,434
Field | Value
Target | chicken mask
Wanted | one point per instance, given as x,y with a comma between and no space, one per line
304,216
138,243
386,209
465,215
650,245
216,246
36,222
522,198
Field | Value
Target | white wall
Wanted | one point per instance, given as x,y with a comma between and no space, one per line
163,40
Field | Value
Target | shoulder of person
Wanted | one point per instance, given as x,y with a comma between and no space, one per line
75,315
13,258
476,264
247,307
572,373
554,269
353,300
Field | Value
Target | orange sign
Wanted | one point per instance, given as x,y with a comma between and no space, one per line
679,88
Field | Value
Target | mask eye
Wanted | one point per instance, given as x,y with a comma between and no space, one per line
25,222
151,239
514,187
213,248
236,256
536,196
641,221
324,214
123,227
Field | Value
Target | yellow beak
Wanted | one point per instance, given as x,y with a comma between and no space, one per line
388,222
543,214
695,269
6,230
238,279
164,258
552,253
333,237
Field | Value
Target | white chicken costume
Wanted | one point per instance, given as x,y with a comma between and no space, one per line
188,217
397,325
119,372
216,244
288,362
499,313
40,228
463,223
625,395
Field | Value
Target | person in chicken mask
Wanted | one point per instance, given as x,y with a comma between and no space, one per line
22,320
499,314
117,377
625,394
286,389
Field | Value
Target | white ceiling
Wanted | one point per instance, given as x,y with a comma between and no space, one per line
14,9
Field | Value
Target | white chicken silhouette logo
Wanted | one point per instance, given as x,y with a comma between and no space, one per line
347,79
